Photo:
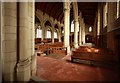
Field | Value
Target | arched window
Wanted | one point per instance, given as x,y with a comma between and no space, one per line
55,34
90,29
39,32
72,26
48,33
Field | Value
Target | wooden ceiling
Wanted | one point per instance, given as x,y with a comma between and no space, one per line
88,10
55,9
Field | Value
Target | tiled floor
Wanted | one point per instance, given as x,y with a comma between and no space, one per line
52,69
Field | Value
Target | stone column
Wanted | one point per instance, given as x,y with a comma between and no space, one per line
43,31
67,26
79,35
83,31
76,34
80,29
8,40
31,15
98,21
118,8
112,14
26,43
52,36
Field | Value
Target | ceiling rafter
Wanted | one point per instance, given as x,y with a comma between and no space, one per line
59,16
57,13
54,9
45,7
51,8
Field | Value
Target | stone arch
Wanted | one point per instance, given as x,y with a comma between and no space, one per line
57,27
75,17
48,19
48,23
50,28
37,21
39,17
75,12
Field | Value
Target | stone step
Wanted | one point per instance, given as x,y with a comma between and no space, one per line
35,79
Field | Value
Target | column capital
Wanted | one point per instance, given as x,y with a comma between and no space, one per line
23,69
66,6
66,9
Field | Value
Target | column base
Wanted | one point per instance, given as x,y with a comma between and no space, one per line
75,45
68,49
23,71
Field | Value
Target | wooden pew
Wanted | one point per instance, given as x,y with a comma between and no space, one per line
52,48
81,55
58,50
102,56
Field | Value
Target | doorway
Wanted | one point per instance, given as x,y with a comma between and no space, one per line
88,38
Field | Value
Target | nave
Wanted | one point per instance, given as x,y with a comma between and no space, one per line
84,67
52,69
55,34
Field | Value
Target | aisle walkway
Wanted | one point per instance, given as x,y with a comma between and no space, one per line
52,69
